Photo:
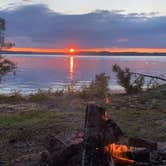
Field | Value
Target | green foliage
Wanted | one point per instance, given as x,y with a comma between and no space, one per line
97,88
6,66
25,118
125,79
39,96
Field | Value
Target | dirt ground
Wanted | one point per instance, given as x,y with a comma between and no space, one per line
26,123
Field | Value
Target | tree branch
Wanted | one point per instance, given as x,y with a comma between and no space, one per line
150,76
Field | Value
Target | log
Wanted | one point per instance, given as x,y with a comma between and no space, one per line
139,142
139,155
70,156
112,132
99,132
93,152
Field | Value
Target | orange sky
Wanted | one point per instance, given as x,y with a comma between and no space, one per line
44,50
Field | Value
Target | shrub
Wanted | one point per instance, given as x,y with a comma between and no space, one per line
5,66
99,87
125,79
39,96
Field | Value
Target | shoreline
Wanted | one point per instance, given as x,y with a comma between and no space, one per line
102,53
116,90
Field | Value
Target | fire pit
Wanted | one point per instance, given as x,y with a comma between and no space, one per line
99,145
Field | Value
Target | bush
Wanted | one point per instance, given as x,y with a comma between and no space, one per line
125,79
39,96
99,87
5,66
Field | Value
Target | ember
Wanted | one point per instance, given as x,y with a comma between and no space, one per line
119,153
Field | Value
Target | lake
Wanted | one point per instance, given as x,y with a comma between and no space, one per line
56,71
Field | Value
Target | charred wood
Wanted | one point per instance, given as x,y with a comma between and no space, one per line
139,142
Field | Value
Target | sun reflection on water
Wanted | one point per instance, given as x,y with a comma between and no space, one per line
71,67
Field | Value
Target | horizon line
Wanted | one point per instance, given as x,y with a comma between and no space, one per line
77,50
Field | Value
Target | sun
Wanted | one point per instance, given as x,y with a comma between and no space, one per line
72,50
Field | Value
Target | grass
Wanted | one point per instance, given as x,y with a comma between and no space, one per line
32,118
149,124
25,118
27,132
142,123
15,97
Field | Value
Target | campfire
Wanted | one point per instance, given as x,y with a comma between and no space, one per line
104,134
119,153
101,145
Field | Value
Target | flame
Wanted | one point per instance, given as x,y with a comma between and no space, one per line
118,153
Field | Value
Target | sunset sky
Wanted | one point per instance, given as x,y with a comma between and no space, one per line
85,24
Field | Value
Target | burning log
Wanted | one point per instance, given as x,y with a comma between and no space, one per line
99,132
119,153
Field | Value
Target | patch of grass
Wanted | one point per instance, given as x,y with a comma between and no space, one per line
142,123
32,118
25,118
13,97
39,96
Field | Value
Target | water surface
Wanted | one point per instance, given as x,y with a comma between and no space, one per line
56,71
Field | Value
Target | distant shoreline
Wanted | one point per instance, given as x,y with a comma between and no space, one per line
105,53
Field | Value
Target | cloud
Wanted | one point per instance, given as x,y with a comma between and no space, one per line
37,26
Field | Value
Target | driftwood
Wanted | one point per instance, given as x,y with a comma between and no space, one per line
148,75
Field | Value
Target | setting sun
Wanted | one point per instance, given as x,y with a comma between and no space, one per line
72,50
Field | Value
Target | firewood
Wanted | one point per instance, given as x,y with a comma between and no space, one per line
139,142
139,155
93,152
69,156
112,132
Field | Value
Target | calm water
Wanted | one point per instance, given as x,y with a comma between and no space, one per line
51,71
